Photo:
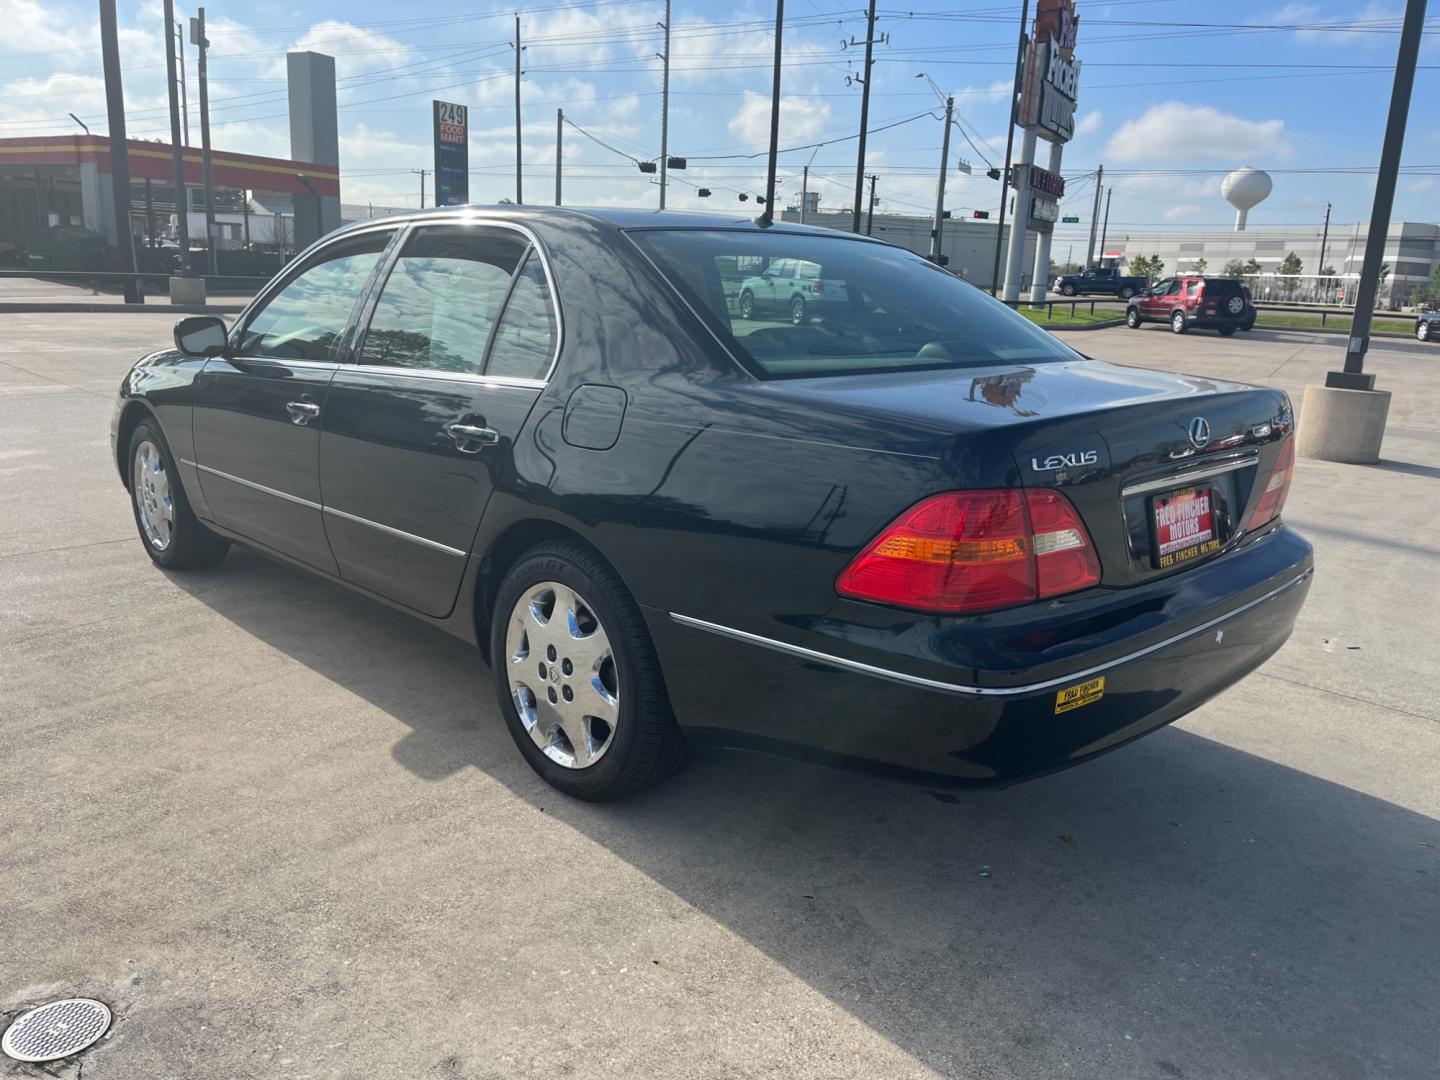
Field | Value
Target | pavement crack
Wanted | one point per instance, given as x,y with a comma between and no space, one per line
67,547
1350,697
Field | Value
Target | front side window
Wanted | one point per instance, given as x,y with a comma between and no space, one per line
307,318
868,306
441,299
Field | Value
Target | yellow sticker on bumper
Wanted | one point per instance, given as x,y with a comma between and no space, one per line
1072,697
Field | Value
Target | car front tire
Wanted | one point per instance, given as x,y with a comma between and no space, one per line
1132,318
1177,322
172,534
1067,290
1422,331
1126,293
747,306
577,678
798,314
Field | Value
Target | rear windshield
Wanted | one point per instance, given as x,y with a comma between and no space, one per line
796,304
1221,286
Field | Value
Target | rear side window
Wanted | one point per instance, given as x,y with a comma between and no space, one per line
306,319
440,302
1192,288
865,306
525,340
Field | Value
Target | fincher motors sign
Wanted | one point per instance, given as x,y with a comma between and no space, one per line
1052,74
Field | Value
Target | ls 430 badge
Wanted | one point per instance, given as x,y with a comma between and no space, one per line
1065,461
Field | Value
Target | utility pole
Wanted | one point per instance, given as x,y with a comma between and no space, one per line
1009,147
421,173
1105,228
864,81
1324,238
937,238
768,215
870,215
1094,217
179,32
805,184
207,172
518,188
664,108
119,152
1354,377
177,159
559,149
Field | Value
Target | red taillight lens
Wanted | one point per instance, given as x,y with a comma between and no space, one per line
968,551
818,287
1272,499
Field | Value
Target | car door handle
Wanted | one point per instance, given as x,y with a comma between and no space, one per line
302,412
471,437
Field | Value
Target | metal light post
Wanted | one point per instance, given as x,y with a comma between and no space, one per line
805,184
119,156
177,160
1009,146
664,110
518,185
1324,239
207,173
937,234
1094,217
768,215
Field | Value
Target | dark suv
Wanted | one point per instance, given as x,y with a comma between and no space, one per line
1209,303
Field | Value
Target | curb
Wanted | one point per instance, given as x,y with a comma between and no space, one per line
59,307
1394,335
1106,325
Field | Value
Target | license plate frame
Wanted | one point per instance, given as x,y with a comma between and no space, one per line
1187,536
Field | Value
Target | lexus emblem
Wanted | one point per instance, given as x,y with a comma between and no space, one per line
1199,432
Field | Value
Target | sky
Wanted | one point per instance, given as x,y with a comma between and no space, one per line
1173,94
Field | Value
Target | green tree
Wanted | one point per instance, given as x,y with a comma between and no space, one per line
1290,268
1157,266
1140,267
1199,266
1292,264
1431,289
1251,266
1234,268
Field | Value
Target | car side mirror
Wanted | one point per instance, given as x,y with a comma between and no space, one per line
201,335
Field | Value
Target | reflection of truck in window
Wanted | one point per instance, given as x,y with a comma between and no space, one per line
796,289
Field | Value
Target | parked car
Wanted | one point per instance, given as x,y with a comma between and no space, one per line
1427,325
793,288
542,431
1100,279
66,247
1206,303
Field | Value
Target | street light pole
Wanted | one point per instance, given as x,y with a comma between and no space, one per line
1009,147
1354,376
768,215
119,152
937,238
207,172
665,110
1324,238
177,160
1094,217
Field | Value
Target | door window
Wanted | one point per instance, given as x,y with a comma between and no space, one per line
307,318
440,301
1192,288
525,341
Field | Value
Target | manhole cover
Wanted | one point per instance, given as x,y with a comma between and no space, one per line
56,1030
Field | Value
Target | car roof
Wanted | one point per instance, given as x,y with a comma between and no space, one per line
619,217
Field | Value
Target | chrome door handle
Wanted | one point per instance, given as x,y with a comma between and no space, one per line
467,434
302,412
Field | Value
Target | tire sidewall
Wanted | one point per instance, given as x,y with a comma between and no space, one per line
746,305
1126,293
1177,322
148,431
1068,290
797,310
1132,318
1422,332
595,780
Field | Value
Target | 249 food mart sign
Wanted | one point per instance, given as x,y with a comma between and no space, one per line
1052,74
452,154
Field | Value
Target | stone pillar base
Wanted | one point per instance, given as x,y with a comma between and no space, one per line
187,290
1342,425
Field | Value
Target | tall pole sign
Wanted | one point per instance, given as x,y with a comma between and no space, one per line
1048,96
452,154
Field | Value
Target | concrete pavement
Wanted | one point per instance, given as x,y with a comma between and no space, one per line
284,832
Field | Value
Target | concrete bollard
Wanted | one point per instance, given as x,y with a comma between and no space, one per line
187,290
1342,425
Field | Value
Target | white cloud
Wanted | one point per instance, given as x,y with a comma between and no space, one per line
800,119
355,49
1182,212
1420,185
1089,123
31,27
997,91
1351,31
1174,131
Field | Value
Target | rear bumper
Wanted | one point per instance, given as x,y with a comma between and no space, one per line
970,726
1217,320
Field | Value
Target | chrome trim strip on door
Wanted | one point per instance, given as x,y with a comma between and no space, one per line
980,691
401,533
1180,479
251,484
497,381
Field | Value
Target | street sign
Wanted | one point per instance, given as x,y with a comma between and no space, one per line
1069,221
452,154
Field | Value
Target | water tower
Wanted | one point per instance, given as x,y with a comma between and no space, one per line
1243,189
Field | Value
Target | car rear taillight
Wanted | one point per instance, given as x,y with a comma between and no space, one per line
970,551
818,287
1272,499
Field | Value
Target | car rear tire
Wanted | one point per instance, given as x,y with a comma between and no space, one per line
1422,331
1227,331
1126,293
747,305
798,314
1177,322
1067,290
1132,318
577,678
172,534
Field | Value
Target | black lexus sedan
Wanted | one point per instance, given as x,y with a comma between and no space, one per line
906,531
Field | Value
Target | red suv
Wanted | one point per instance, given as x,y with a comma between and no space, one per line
1221,304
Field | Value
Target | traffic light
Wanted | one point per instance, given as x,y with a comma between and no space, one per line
946,215
704,193
646,166
675,162
993,174
982,213
743,196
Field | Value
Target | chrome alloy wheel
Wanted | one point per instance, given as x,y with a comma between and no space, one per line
150,488
562,675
